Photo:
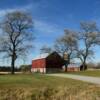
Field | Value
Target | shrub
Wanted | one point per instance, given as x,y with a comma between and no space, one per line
25,68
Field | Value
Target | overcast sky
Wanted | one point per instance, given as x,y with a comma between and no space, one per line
51,17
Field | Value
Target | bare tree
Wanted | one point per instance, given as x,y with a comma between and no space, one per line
16,36
89,37
46,49
67,43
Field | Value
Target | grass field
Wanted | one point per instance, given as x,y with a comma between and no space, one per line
42,87
94,73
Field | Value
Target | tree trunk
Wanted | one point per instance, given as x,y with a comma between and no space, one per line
67,62
84,65
13,58
66,67
12,65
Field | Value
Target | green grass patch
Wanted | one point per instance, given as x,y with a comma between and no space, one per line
42,87
94,73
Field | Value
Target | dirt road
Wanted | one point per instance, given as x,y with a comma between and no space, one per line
89,79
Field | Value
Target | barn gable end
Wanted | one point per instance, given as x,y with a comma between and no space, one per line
54,62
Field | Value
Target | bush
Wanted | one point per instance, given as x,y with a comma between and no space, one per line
25,68
8,69
91,65
98,66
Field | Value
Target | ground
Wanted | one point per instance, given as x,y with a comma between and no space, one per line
43,87
94,73
89,79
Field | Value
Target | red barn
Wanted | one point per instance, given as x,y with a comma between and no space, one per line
46,63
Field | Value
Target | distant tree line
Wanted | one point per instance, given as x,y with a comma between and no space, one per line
25,68
8,69
93,65
22,68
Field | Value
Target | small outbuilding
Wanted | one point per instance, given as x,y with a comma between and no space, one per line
73,67
47,63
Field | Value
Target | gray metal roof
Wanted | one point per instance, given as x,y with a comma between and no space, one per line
41,56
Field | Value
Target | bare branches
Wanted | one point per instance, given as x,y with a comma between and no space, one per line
17,28
46,49
90,37
67,43
81,43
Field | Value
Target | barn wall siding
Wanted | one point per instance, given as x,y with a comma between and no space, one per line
54,61
41,70
53,70
40,63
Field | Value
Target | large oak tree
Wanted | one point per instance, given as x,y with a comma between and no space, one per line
89,37
17,36
67,44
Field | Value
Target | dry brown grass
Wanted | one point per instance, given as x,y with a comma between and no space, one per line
46,93
41,87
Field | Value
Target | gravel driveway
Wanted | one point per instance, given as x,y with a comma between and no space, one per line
89,79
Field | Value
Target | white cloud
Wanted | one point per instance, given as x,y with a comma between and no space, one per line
46,27
39,25
24,8
4,11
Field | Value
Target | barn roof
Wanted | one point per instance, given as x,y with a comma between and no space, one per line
41,56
